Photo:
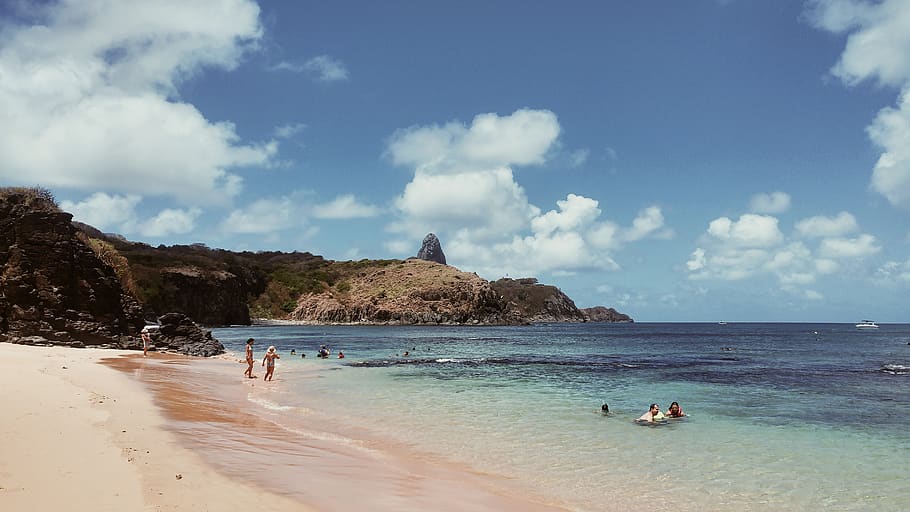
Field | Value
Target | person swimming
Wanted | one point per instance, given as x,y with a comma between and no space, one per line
675,411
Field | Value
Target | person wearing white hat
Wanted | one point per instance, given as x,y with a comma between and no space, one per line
270,357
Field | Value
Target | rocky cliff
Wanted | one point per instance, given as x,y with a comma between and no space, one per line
535,302
54,289
59,286
605,314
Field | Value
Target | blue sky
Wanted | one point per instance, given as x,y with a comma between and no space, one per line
680,161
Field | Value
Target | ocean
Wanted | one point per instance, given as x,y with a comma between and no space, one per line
780,416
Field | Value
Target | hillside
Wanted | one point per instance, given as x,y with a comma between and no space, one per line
220,287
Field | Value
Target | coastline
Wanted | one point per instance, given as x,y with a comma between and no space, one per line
115,431
81,436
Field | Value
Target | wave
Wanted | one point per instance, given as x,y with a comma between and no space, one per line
895,369
579,362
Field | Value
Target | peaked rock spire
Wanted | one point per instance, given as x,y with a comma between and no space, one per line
431,250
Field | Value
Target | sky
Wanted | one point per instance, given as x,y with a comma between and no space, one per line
704,160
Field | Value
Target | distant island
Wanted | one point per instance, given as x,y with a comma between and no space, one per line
65,280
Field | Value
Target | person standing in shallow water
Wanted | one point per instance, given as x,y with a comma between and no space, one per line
249,359
269,362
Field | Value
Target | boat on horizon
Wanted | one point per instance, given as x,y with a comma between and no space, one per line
867,324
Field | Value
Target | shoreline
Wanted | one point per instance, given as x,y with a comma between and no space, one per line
118,431
81,436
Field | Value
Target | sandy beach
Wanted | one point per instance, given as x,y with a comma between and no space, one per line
78,435
90,429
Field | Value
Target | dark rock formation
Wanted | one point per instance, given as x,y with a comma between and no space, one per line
605,314
177,333
431,250
537,302
54,289
211,297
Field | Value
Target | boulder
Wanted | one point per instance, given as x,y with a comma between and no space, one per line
431,250
177,333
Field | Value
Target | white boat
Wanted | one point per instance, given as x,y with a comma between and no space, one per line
867,324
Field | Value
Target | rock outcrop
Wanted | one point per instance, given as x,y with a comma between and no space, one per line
406,292
605,314
178,333
537,303
431,250
54,289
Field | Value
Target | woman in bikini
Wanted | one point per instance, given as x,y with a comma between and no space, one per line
269,362
249,359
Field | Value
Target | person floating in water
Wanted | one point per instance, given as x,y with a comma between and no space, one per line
675,411
270,358
652,415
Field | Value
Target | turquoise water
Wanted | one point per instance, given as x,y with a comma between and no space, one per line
781,416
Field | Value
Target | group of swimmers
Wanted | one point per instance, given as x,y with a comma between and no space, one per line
272,354
653,414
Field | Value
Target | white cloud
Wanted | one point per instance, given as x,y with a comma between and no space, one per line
171,222
894,271
574,212
263,216
578,157
775,202
753,247
522,138
88,98
344,207
489,202
877,49
287,131
464,189
821,226
749,231
861,246
326,69
879,41
103,211
891,132
649,222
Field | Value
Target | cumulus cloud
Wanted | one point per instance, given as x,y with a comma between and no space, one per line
89,98
522,138
464,189
344,207
749,231
754,246
115,213
171,221
877,47
103,211
859,247
775,202
263,216
820,226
